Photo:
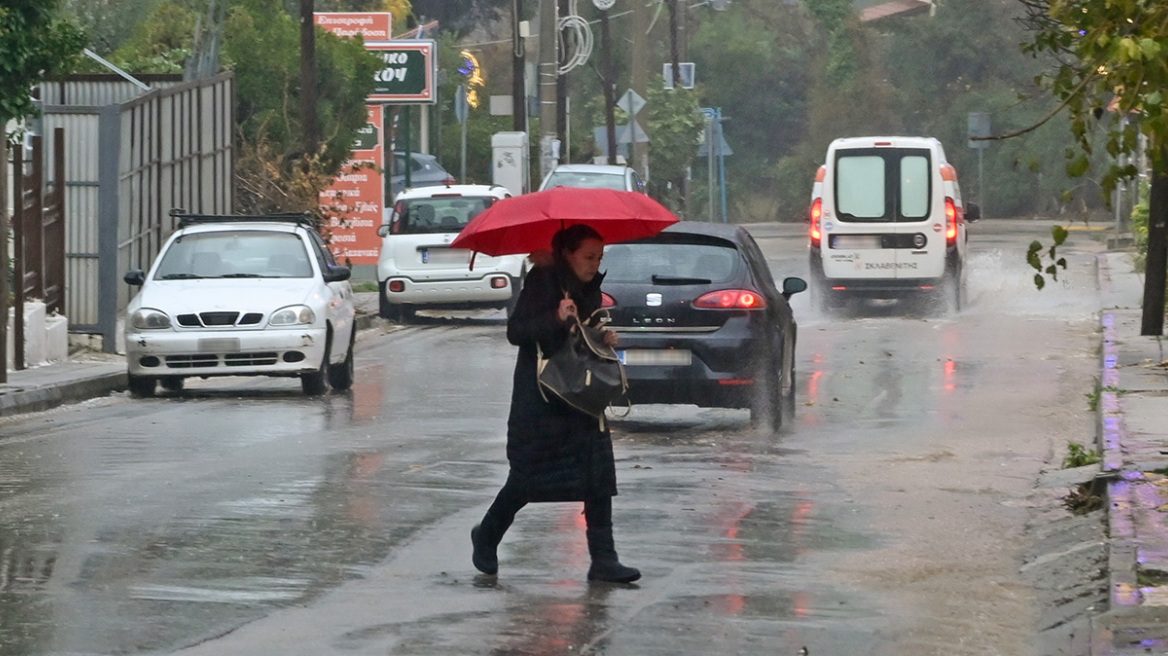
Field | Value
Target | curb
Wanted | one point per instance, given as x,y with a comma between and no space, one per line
45,397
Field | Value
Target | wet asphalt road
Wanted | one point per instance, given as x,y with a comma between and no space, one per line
240,517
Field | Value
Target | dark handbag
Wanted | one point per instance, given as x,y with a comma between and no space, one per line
584,373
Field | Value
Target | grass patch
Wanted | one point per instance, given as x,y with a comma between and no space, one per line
365,286
1079,456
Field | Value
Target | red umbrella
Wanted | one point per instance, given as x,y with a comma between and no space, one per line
523,224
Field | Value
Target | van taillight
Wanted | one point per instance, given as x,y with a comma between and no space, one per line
950,222
814,213
731,299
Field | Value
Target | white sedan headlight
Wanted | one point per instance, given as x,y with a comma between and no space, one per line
293,315
149,319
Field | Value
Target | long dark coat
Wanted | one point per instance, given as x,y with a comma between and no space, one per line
557,453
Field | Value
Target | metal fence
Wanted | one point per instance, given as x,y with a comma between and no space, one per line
127,164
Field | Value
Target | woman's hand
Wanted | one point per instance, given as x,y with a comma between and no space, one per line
566,310
610,338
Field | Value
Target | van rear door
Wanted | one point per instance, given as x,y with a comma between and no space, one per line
881,223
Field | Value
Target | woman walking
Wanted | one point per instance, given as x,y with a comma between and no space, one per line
557,453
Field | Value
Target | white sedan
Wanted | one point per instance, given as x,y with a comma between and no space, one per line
241,296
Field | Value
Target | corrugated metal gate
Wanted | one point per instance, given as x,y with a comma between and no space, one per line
128,163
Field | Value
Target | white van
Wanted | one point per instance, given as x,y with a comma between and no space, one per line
887,221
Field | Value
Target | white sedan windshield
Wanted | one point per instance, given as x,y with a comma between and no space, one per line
244,254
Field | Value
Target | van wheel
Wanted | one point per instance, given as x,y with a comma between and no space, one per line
171,383
953,291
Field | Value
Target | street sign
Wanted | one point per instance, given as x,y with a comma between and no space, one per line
409,73
979,126
631,133
631,103
686,69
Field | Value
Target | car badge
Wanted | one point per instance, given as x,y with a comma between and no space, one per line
653,300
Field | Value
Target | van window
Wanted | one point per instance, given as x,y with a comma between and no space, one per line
914,186
860,181
883,185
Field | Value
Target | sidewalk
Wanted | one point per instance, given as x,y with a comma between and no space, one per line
1133,437
90,375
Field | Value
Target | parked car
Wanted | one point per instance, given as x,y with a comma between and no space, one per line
417,269
594,176
241,296
887,221
701,321
425,171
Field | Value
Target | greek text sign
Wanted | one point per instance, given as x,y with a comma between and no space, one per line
408,74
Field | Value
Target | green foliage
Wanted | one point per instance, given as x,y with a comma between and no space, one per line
1079,456
262,46
159,44
34,45
675,125
1113,63
1034,257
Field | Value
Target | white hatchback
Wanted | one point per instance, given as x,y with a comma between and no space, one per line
241,296
417,268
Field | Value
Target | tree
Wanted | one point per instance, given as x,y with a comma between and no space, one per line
674,127
261,44
1113,65
34,45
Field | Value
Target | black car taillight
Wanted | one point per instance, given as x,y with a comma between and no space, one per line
607,301
731,299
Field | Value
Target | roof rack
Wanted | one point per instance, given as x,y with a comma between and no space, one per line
185,219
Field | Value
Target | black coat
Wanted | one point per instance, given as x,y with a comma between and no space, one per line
557,453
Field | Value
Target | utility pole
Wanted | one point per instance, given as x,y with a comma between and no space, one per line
1156,266
639,69
562,90
674,45
518,57
548,66
308,124
608,81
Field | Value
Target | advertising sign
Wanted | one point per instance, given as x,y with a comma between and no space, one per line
410,72
353,203
370,26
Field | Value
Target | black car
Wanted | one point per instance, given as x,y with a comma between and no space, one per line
701,321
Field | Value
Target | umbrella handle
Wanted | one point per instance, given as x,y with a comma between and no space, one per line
473,254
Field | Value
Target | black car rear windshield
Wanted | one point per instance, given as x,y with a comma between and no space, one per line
882,185
669,262
438,214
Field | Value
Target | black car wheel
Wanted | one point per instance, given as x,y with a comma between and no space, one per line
315,383
341,375
766,410
142,386
789,378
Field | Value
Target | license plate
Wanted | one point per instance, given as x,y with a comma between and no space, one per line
856,242
219,345
655,357
443,256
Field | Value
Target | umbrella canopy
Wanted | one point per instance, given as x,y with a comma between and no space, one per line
524,224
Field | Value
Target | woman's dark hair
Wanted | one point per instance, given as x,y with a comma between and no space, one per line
571,238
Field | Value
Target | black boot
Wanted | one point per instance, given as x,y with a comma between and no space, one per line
484,557
606,566
487,534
